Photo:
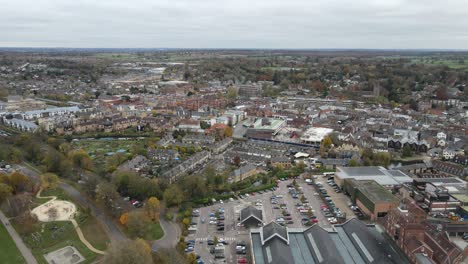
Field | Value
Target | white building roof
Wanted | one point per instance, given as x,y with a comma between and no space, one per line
316,134
379,174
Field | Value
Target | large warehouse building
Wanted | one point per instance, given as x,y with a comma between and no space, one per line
387,178
350,242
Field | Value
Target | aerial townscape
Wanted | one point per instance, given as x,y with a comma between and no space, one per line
234,156
234,132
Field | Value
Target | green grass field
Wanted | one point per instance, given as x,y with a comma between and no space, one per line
155,232
48,237
9,253
453,64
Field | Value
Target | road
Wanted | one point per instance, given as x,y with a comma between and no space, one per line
239,130
112,230
171,235
25,251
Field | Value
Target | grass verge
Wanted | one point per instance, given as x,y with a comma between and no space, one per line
9,253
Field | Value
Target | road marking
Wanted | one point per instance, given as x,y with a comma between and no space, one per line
220,238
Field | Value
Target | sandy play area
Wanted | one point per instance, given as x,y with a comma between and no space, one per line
55,210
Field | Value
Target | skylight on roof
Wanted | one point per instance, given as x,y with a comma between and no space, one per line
268,252
315,247
362,247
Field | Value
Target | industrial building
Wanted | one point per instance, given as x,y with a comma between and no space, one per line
384,177
350,242
373,199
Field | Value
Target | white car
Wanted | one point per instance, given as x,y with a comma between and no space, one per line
212,222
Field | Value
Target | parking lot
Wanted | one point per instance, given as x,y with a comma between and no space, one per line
341,200
293,205
220,221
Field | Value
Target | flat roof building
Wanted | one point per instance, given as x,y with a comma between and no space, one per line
265,127
315,135
384,177
372,198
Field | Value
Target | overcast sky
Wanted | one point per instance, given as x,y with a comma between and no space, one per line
399,24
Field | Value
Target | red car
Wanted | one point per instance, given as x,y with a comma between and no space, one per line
242,260
315,220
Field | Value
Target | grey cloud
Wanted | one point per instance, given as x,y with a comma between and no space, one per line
235,24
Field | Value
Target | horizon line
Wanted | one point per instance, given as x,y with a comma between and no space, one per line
239,49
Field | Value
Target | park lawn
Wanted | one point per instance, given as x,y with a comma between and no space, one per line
52,240
9,253
48,237
155,231
94,233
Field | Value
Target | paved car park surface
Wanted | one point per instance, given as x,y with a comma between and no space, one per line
270,203
341,200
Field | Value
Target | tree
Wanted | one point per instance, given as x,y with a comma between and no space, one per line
168,256
5,191
124,252
19,204
204,125
327,142
153,207
382,159
228,131
325,146
237,160
49,180
353,163
81,159
52,160
231,94
106,192
407,152
191,258
89,185
138,224
123,219
173,196
18,181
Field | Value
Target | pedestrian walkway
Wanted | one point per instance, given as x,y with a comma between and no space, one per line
25,251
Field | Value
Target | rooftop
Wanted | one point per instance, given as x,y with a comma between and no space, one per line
374,191
268,123
316,134
378,174
351,242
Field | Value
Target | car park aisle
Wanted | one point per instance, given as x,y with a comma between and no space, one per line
315,201
341,200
